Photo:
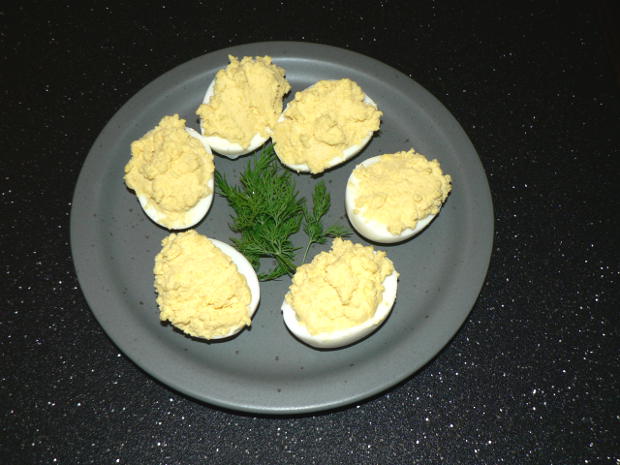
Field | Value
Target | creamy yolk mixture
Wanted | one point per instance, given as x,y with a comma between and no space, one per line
322,121
170,168
247,100
400,189
200,290
339,289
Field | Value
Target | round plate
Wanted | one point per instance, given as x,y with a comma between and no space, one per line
265,369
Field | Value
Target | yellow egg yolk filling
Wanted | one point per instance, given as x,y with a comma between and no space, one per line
322,121
400,189
170,168
247,100
200,290
339,289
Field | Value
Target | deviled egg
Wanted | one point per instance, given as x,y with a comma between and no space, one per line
205,287
171,171
392,197
242,104
341,296
325,125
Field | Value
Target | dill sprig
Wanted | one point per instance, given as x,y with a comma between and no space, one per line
268,212
312,220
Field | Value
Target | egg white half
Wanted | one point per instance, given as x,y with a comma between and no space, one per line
344,337
225,147
196,213
372,229
245,268
346,154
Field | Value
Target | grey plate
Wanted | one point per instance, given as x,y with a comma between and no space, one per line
265,369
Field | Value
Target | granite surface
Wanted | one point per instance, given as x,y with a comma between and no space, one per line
533,374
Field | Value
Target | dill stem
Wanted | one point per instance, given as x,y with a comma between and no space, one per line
303,260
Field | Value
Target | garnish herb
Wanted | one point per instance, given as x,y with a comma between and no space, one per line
312,220
268,211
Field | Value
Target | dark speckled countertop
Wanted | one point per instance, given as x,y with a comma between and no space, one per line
533,374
